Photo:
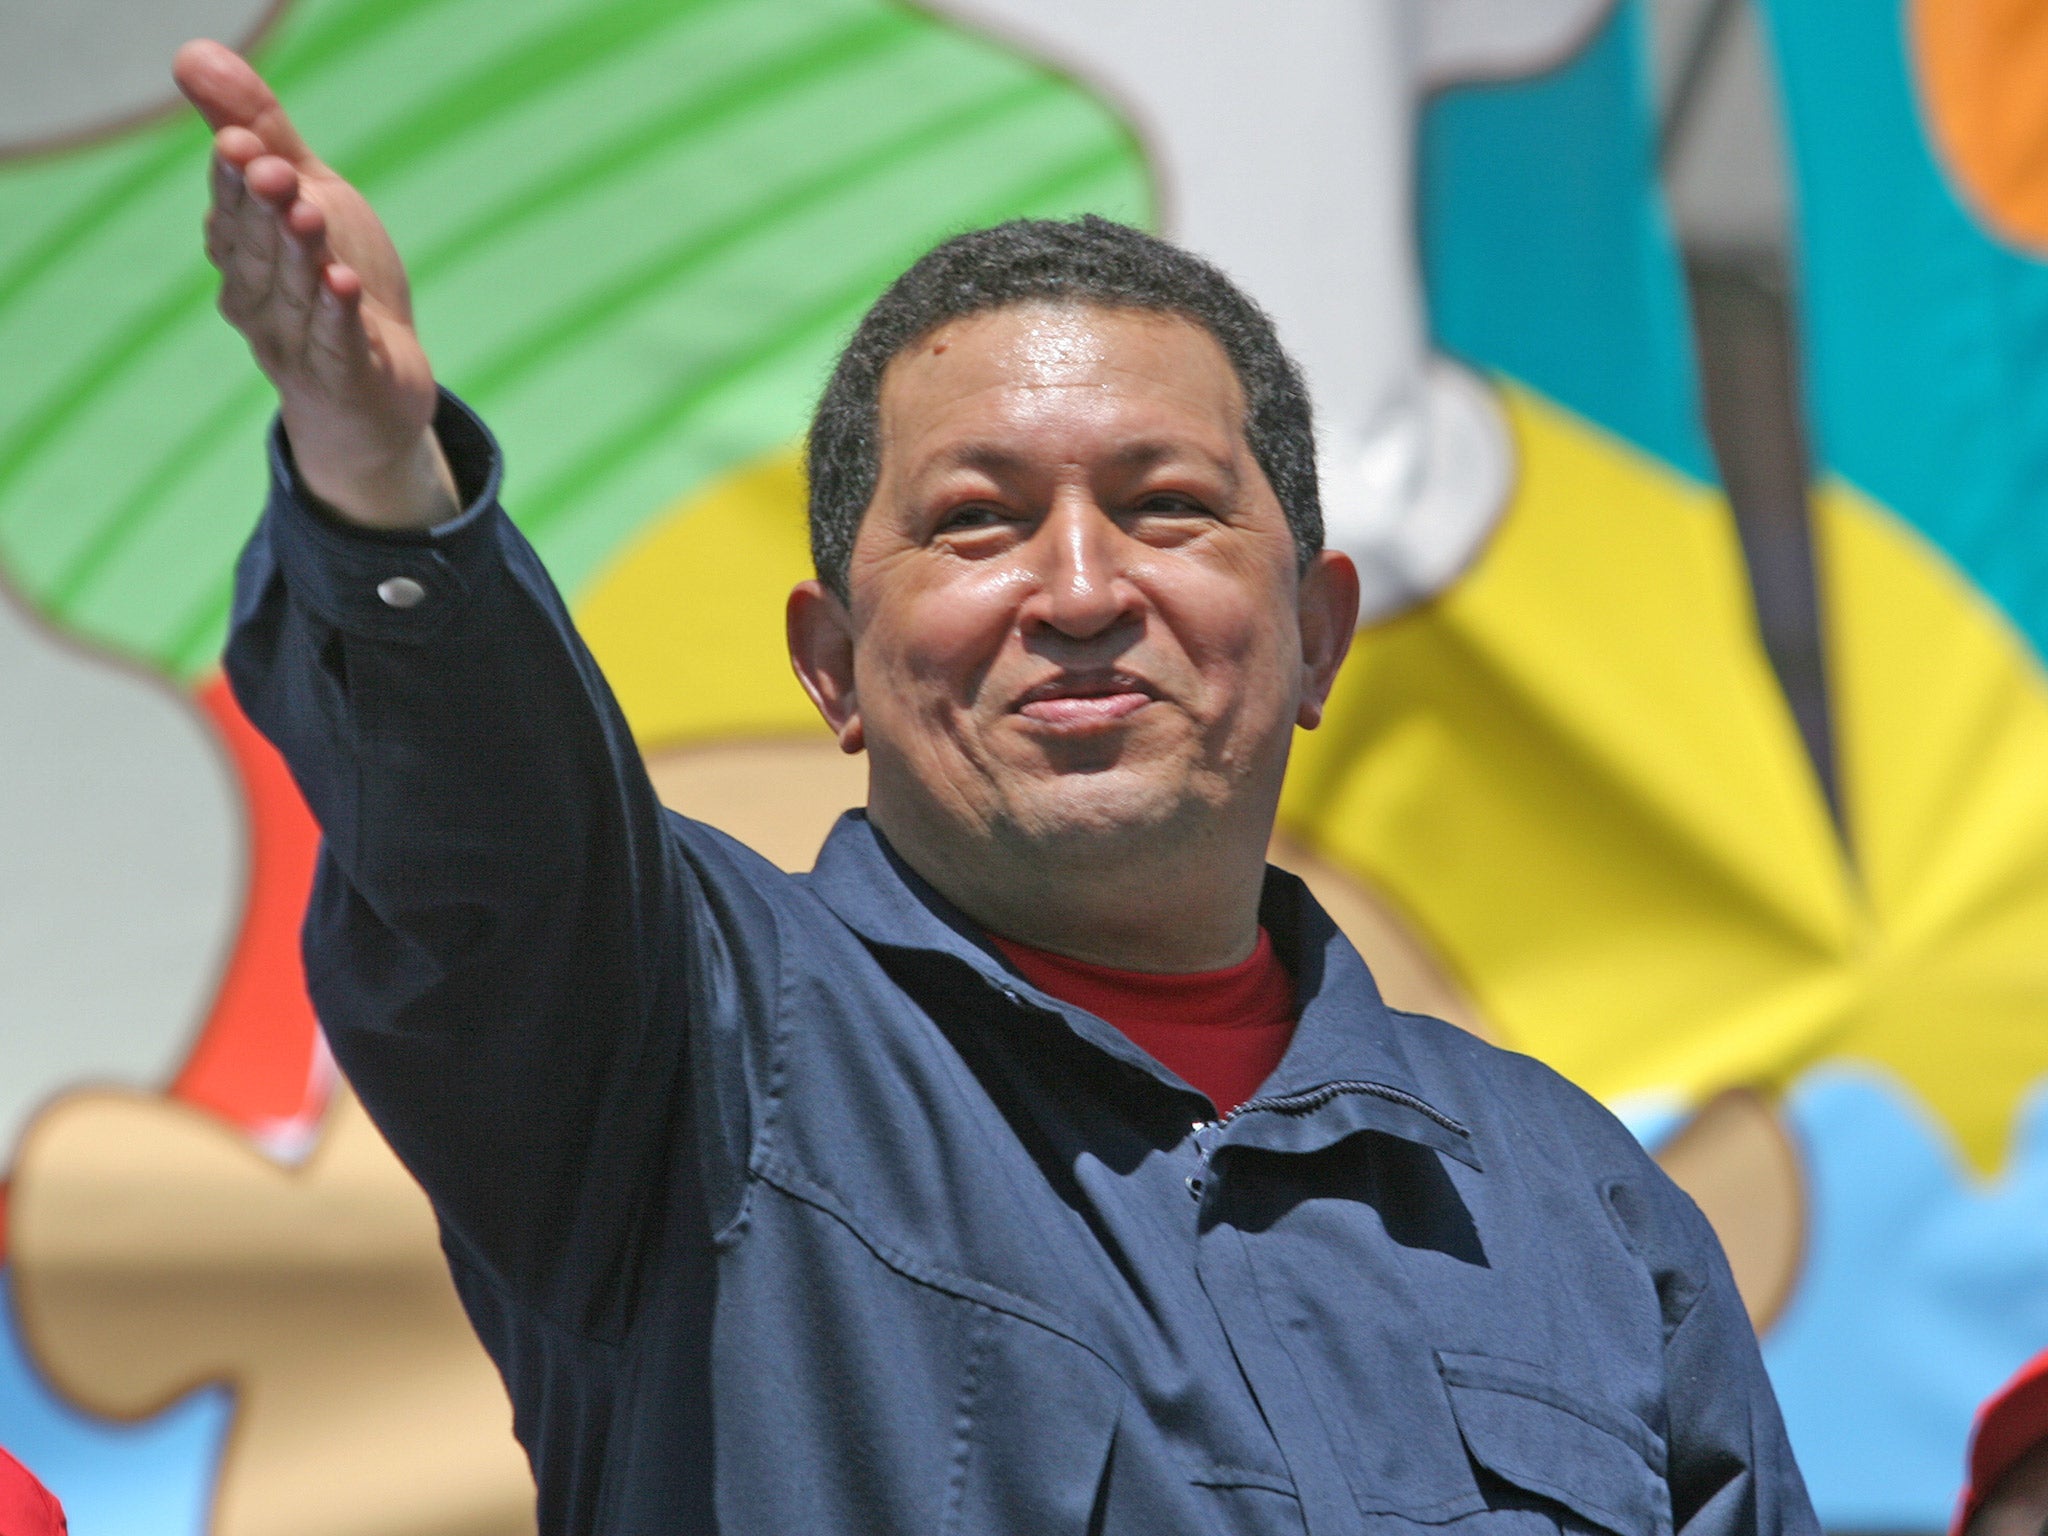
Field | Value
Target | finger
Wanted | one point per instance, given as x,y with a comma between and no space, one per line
228,92
237,146
272,180
337,341
299,274
295,296
220,240
225,180
306,221
251,242
344,282
229,200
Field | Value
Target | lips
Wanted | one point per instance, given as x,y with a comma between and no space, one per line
1076,701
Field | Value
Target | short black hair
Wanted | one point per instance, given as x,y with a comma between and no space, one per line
1088,260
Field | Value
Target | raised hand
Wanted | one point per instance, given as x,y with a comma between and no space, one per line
311,279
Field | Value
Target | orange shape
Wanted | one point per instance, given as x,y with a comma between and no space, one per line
1983,70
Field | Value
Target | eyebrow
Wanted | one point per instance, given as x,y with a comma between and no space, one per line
1138,455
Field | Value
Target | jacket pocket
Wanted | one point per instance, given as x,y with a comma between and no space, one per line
1601,1463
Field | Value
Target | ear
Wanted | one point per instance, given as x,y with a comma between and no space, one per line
820,635
1329,617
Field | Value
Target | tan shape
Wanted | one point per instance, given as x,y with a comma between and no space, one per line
1409,975
155,1250
780,798
1742,1168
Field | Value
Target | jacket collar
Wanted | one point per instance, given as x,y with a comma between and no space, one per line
1345,1071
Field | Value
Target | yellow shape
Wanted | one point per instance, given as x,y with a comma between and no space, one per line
1942,731
687,620
1576,773
154,1249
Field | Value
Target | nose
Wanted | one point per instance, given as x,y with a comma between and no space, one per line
1083,588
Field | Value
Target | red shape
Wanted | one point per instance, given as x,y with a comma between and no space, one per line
253,1063
1223,1031
27,1508
2012,1421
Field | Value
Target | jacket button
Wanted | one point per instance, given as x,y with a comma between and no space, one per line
401,592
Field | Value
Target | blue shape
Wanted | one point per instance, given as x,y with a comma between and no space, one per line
1652,1118
1925,1288
1546,247
152,1478
1926,340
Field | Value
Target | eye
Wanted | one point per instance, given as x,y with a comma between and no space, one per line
1171,504
971,516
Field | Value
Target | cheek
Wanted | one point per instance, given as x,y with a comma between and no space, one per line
937,643
1241,640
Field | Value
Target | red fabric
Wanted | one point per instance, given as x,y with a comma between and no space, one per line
1222,1031
27,1508
2009,1424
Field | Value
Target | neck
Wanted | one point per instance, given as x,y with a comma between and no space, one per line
1167,900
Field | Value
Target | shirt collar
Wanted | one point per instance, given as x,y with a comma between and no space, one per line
1345,1070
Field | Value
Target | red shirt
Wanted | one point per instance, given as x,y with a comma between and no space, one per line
27,1508
1222,1032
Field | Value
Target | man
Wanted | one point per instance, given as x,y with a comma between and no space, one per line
1041,1162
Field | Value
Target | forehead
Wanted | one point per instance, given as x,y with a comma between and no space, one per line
1066,366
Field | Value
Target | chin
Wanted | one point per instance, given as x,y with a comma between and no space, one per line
1100,809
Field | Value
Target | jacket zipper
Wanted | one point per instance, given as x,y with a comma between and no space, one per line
1304,1102
1315,1098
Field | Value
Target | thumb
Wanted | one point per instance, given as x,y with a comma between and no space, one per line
229,93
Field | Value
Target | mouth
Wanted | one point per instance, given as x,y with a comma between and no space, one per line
1079,700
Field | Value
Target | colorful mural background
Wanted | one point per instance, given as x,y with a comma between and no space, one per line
1560,796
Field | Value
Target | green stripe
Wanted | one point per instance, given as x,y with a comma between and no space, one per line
678,262
196,641
153,493
186,138
509,81
150,493
659,418
173,305
430,127
117,198
291,56
614,157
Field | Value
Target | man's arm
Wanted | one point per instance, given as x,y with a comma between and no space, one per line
502,925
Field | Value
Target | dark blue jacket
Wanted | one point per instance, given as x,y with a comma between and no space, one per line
787,1208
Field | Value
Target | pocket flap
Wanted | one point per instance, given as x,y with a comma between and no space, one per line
1593,1458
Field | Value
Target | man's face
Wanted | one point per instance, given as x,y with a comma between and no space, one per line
1076,606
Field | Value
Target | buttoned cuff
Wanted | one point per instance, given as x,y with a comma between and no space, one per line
403,586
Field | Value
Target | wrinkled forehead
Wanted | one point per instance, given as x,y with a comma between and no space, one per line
1026,360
